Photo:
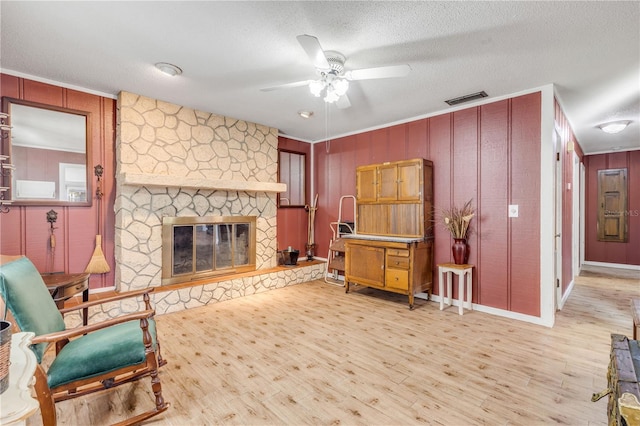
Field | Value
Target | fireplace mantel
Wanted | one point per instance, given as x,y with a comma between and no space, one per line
165,181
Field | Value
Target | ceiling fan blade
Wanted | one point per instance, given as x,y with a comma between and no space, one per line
311,45
343,102
380,72
287,86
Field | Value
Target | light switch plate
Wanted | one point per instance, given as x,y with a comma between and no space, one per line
513,210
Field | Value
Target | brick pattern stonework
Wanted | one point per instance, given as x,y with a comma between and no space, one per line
162,139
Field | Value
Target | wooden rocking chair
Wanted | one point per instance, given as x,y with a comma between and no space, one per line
89,358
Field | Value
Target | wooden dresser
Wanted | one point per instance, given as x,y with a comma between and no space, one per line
394,265
392,248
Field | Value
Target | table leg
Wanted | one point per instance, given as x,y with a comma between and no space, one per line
441,287
461,283
469,278
449,289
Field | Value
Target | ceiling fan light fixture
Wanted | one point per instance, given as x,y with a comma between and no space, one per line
614,126
333,87
340,86
331,96
316,87
169,69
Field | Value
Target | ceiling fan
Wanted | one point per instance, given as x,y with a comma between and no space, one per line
333,80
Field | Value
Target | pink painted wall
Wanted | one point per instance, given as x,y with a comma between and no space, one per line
610,252
25,230
490,154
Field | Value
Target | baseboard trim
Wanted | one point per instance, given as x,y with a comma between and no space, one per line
566,294
494,311
613,265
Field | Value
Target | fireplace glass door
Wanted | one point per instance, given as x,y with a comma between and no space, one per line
197,250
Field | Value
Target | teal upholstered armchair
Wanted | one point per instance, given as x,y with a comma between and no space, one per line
87,358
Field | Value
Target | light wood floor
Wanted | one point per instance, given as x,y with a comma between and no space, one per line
312,355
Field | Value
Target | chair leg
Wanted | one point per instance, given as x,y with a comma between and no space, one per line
161,405
45,399
157,390
161,361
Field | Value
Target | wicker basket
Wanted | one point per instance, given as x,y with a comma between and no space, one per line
5,349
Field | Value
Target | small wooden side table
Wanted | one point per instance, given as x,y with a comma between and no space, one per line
16,402
465,278
64,286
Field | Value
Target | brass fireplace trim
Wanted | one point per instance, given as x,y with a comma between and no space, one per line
167,251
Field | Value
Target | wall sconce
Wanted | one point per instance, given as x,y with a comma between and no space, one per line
6,168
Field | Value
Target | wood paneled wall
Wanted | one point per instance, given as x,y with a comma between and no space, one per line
25,230
612,252
293,221
489,153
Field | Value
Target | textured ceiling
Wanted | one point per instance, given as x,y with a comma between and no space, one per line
590,51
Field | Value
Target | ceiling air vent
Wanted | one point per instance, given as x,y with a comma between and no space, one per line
467,98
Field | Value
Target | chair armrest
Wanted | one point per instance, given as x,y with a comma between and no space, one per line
73,332
127,295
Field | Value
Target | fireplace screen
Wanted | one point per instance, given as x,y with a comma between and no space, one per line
197,247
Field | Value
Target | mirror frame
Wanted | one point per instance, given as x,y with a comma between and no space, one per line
304,179
7,149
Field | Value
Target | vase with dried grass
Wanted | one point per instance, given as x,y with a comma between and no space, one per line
457,220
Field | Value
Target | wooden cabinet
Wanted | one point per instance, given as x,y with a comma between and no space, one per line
404,267
392,248
395,198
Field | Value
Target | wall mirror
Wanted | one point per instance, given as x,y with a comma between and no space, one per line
50,150
291,170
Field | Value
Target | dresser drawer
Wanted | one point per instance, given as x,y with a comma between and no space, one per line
397,262
397,279
398,252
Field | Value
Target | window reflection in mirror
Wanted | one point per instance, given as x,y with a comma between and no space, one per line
48,148
291,167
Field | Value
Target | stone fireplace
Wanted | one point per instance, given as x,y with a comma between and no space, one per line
176,162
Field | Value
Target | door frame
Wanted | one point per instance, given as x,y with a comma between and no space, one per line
557,211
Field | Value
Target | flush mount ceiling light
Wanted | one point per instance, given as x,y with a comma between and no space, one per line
169,69
305,114
614,126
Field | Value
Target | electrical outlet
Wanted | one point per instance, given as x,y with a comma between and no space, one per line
513,210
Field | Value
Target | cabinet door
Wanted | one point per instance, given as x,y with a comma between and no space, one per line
388,182
366,183
612,198
409,181
365,265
